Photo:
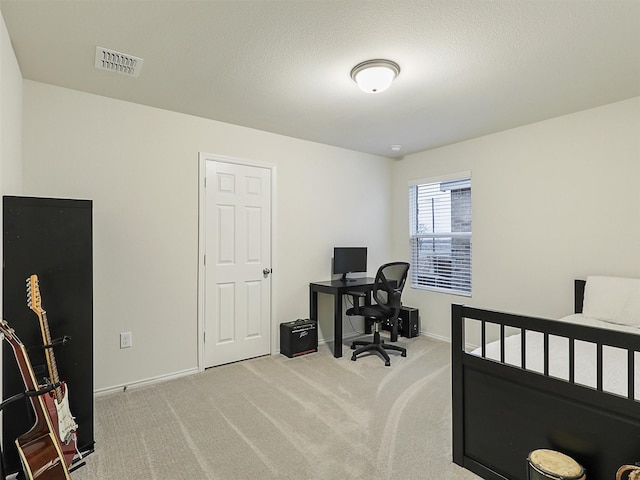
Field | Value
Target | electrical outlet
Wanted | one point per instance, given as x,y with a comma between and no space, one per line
126,340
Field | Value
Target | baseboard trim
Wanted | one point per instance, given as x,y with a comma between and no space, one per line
437,337
146,381
468,346
322,341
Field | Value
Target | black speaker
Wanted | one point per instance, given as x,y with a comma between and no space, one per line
298,337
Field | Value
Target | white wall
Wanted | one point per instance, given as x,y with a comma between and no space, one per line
139,165
10,128
10,116
10,122
552,201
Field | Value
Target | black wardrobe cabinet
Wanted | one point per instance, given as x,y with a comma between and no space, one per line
52,238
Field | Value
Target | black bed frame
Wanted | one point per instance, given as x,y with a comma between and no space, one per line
502,412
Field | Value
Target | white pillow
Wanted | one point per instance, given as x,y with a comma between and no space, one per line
613,299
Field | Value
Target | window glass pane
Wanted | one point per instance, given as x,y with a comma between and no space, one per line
440,236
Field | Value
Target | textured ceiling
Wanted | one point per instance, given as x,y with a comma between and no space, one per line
469,68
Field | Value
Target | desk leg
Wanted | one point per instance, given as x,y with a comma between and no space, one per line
337,325
313,305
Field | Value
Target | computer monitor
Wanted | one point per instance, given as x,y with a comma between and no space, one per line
349,260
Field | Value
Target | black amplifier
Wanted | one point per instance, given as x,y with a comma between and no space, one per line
298,337
408,322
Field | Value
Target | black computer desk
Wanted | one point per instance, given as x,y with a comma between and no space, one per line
338,288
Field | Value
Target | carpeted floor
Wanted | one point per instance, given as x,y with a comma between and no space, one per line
306,418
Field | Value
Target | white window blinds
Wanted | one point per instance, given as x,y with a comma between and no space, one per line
440,235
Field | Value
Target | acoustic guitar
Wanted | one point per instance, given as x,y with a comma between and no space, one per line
39,449
57,401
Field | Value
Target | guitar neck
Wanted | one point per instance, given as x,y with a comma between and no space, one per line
49,354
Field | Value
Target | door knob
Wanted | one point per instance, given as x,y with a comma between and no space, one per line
267,271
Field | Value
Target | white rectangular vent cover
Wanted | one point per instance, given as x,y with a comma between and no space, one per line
118,62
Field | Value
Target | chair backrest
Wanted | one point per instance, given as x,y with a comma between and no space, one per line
390,280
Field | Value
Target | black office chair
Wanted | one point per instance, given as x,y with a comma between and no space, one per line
387,292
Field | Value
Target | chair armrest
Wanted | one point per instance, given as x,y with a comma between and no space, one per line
357,294
396,298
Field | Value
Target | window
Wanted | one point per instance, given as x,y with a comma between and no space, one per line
440,234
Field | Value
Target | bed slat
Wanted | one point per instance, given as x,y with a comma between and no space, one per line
572,360
484,339
631,374
523,348
546,354
599,367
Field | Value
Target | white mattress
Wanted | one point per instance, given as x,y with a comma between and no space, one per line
614,360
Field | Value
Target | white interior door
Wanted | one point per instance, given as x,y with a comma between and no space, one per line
237,307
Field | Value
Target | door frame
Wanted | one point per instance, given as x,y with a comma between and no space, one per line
202,173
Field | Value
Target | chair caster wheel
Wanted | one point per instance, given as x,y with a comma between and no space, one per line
403,354
387,364
353,347
353,358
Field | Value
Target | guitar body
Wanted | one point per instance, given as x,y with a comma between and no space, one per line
40,455
39,448
66,425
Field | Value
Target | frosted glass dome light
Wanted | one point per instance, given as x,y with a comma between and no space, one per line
375,76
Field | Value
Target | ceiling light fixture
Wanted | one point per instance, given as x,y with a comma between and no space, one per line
375,76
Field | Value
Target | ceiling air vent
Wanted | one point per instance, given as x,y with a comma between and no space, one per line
118,62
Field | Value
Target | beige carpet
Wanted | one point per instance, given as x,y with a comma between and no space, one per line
311,417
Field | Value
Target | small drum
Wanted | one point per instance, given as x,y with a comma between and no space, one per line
632,471
549,464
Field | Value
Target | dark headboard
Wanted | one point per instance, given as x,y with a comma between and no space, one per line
578,295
